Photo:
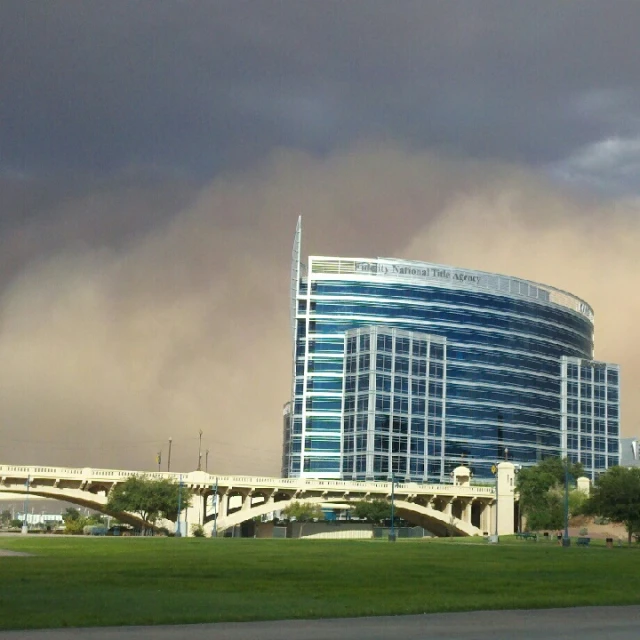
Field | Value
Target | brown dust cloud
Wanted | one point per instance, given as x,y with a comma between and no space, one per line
137,311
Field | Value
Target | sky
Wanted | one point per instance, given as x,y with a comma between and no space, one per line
155,155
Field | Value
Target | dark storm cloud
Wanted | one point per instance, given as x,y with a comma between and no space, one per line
208,86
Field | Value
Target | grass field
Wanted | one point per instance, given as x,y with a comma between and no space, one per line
112,581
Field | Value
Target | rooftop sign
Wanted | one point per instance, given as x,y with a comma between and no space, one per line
424,273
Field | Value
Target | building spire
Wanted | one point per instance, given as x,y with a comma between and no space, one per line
295,274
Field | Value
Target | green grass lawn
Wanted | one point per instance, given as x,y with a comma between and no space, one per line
112,581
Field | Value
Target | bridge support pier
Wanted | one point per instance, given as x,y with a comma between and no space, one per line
506,479
466,510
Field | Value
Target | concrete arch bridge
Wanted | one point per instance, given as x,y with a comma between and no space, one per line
444,509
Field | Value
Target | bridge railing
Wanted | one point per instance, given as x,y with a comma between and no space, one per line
199,478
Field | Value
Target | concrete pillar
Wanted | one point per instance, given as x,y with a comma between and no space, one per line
448,506
466,510
485,517
490,518
194,515
584,485
246,500
506,478
224,505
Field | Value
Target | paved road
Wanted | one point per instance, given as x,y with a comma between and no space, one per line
585,623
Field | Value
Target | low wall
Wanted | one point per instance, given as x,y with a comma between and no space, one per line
318,530
327,530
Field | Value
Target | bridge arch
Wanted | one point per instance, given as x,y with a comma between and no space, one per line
437,522
82,498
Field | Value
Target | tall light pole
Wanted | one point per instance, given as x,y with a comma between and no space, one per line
200,451
392,537
565,540
206,460
494,470
169,456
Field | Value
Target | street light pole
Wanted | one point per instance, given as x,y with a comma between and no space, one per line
206,461
392,537
169,456
497,501
200,451
565,541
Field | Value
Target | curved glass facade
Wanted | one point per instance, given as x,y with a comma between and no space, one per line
413,368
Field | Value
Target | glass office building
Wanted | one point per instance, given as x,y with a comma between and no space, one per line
413,368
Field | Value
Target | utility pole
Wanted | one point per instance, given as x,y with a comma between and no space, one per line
200,451
169,456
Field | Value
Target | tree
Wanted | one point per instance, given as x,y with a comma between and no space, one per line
376,511
150,499
541,489
303,512
5,517
616,495
71,514
73,521
96,518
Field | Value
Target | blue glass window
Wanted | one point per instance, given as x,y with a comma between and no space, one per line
400,404
419,348
418,387
402,345
401,384
383,383
402,365
419,368
437,351
400,425
322,464
385,343
417,425
383,362
417,446
417,406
